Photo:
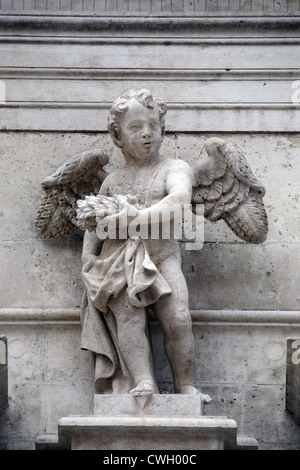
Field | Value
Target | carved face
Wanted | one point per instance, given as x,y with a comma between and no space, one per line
140,132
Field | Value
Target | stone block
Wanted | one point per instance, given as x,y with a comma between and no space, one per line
47,442
159,405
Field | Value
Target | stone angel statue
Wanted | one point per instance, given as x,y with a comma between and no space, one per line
124,275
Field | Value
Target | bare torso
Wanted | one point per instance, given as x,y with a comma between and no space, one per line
148,184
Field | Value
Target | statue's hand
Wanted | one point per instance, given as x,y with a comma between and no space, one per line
127,213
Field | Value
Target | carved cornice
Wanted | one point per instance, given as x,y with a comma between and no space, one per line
151,41
59,53
86,27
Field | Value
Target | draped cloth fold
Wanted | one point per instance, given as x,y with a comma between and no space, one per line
129,267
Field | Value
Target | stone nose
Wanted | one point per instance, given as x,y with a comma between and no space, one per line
146,133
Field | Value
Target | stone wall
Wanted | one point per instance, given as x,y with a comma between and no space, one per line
153,7
228,76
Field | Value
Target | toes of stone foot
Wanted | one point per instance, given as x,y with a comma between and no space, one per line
142,389
206,398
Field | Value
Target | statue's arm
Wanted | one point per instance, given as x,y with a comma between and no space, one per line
178,187
91,247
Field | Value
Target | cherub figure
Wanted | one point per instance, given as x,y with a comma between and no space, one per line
125,275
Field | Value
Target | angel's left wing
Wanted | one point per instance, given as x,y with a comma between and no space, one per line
80,176
227,187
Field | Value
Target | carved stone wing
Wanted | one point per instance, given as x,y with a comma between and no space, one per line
226,186
80,176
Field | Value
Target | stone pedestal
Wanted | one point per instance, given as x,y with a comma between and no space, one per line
160,422
146,433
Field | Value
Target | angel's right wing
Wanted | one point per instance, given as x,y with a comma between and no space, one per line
227,187
80,176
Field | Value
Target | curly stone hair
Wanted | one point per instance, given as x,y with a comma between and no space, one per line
120,105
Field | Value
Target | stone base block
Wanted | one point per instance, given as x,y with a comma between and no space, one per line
158,405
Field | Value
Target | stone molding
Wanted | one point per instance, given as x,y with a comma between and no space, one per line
91,118
208,317
85,25
73,73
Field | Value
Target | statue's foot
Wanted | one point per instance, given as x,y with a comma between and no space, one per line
205,398
143,388
190,390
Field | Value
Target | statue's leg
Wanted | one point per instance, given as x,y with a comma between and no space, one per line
174,316
133,344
